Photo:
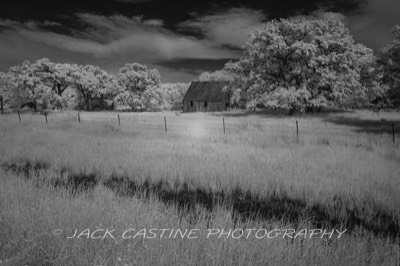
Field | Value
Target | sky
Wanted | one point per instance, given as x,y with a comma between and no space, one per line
179,38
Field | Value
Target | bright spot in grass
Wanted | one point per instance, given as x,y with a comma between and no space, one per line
197,129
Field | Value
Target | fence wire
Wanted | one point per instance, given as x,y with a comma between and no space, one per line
218,124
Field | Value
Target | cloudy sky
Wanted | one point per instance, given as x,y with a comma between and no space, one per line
180,38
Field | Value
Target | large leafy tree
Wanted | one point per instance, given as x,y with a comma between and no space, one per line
173,95
95,86
58,75
29,88
389,60
55,75
299,64
140,88
41,83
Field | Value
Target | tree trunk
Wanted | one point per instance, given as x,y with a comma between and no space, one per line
59,92
292,111
87,103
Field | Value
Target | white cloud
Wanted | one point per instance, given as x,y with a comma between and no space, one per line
120,35
231,27
107,41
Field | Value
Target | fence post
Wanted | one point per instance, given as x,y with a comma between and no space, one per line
19,116
394,138
1,104
165,123
297,130
45,115
223,123
79,118
119,121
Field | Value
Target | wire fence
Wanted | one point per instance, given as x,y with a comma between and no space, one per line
227,124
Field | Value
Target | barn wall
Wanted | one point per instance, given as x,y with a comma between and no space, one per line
199,107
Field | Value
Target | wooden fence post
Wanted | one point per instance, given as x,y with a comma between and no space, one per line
79,118
165,123
45,115
119,121
394,138
223,123
297,130
1,104
19,116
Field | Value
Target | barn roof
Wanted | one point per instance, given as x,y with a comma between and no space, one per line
207,91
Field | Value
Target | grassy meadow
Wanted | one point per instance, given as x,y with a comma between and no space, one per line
341,172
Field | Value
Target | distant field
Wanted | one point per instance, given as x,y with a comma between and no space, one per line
340,172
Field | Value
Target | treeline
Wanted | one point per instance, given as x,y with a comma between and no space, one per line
298,64
44,85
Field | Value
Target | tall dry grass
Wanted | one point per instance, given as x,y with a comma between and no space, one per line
339,173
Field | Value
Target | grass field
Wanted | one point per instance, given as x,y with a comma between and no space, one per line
341,172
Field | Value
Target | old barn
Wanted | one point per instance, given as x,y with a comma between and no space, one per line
206,96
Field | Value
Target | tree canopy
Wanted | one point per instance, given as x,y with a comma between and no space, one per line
46,85
6,89
173,95
93,84
140,88
29,86
219,75
301,63
389,60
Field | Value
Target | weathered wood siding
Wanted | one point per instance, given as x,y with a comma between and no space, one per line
200,106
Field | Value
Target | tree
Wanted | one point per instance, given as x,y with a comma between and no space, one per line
55,75
140,88
29,88
59,76
41,83
6,90
389,60
219,75
299,64
239,84
173,95
95,86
